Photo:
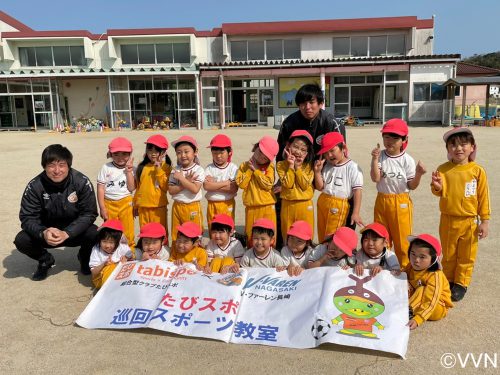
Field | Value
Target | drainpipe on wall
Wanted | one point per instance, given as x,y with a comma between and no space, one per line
222,104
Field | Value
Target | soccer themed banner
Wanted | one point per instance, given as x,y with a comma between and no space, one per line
256,305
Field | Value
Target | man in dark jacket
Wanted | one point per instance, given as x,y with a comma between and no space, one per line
58,208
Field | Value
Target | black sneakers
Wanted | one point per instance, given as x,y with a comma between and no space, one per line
84,266
44,265
458,292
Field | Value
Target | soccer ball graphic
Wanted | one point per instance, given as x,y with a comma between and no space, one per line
320,328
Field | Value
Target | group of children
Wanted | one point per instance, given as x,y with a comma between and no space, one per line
435,277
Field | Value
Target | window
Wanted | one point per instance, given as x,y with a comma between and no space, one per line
341,47
378,45
359,46
52,56
256,50
276,49
162,53
428,92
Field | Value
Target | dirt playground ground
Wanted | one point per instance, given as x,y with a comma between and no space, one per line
38,334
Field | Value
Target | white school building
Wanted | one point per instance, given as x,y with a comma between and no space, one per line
238,74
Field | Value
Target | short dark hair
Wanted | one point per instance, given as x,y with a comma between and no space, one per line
372,233
432,252
461,138
220,227
108,233
309,92
193,239
185,143
260,230
56,152
228,149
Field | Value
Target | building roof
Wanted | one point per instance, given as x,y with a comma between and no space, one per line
466,69
245,28
325,26
472,81
333,61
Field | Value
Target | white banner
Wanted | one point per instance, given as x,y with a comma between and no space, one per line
256,306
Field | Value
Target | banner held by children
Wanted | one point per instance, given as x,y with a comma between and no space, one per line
256,306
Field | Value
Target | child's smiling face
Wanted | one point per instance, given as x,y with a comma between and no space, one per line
185,155
335,156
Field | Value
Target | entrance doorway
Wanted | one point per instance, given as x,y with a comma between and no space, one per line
23,111
245,106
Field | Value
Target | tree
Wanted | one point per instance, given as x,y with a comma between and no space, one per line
491,60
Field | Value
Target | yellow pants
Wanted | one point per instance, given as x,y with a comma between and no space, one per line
182,212
153,215
395,212
291,211
123,211
258,212
100,279
218,262
222,207
415,301
332,214
459,243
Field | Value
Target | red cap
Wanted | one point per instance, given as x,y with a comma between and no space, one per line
269,147
264,223
377,228
120,144
189,229
301,229
224,220
302,133
330,140
396,126
220,140
158,140
186,139
431,240
152,230
112,224
345,239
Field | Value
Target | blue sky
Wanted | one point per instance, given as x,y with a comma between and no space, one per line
465,27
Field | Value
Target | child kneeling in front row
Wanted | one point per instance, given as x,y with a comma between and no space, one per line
262,254
151,244
336,250
374,254
223,250
428,289
108,252
298,247
186,248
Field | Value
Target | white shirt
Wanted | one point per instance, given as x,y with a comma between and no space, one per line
234,249
163,254
114,181
340,180
221,174
395,172
185,196
291,259
390,261
98,256
272,260
320,250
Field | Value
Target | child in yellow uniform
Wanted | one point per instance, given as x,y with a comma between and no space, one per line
462,188
339,179
220,176
256,178
296,175
428,290
108,252
187,246
395,173
115,184
150,199
185,184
